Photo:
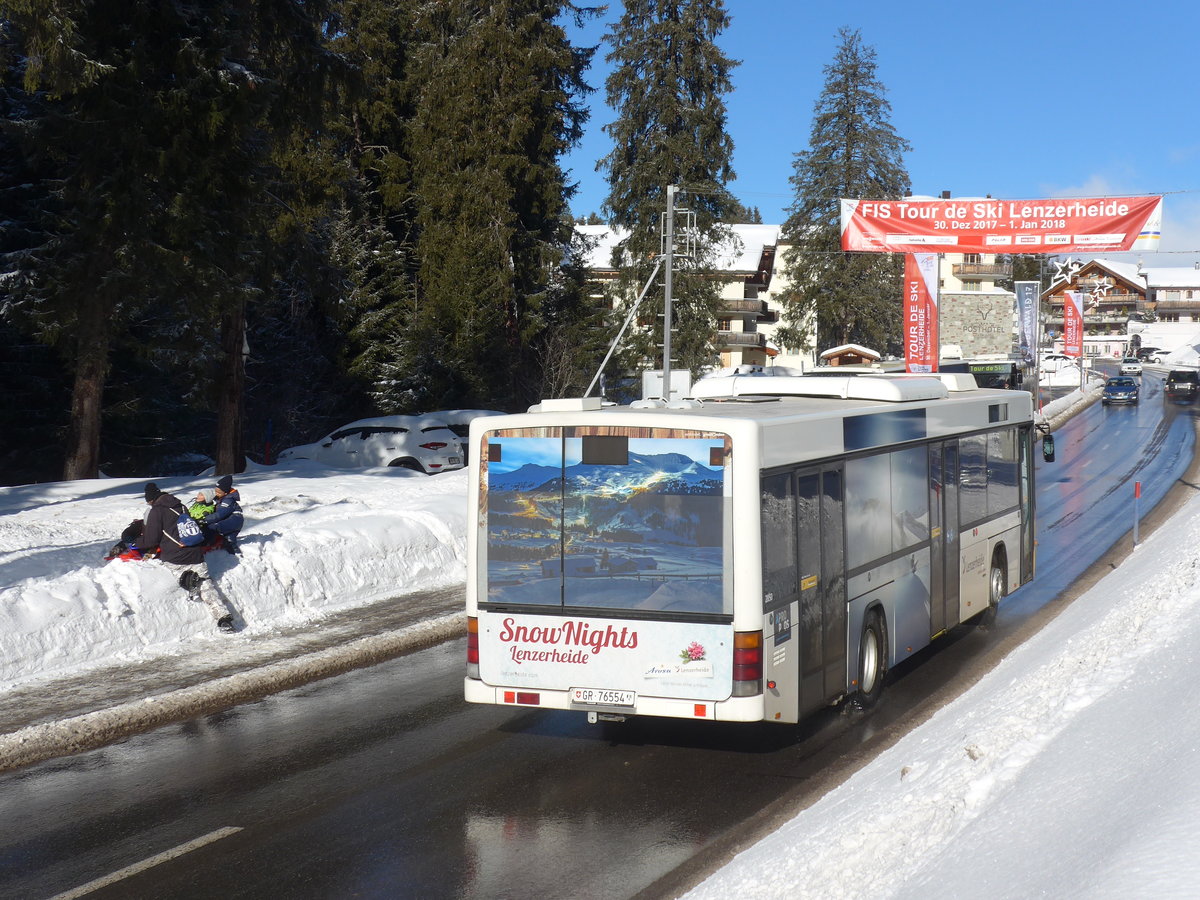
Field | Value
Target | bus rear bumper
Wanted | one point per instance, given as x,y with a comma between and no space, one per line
734,709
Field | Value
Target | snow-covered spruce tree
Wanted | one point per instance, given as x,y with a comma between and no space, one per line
667,87
370,234
854,153
485,145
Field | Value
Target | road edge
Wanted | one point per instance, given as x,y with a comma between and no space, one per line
90,731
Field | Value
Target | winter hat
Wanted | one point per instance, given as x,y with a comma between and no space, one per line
152,492
226,483
203,497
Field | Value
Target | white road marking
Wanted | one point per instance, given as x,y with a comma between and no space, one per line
145,864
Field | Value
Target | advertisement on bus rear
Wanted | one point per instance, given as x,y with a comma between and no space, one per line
582,653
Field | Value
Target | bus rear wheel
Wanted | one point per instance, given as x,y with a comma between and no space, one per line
872,660
997,588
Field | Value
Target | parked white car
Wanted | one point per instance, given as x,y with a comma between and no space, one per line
459,421
422,443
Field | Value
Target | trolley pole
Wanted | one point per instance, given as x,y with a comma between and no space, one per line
670,240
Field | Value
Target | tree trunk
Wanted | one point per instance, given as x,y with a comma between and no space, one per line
91,365
231,391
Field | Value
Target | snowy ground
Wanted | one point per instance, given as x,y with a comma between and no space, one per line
1069,771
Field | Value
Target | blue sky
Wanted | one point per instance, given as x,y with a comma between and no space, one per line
1017,100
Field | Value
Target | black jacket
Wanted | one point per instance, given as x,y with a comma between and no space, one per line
160,531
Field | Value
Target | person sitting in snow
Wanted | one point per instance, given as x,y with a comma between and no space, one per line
160,531
226,520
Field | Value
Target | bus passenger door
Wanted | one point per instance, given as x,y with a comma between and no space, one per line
804,587
781,587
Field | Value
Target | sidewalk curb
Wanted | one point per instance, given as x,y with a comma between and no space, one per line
89,731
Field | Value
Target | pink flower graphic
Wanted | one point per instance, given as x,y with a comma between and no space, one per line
693,653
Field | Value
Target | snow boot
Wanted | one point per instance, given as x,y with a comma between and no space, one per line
190,581
225,623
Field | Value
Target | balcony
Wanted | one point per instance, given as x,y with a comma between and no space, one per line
744,307
981,270
740,339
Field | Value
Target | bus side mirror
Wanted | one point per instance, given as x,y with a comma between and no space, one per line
1048,448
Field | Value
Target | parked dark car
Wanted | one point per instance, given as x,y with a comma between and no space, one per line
1120,389
1182,384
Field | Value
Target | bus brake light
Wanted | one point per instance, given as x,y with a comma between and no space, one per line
747,663
472,646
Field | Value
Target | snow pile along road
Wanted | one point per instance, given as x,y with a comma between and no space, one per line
1076,742
316,541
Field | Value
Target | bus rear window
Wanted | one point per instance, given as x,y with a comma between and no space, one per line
610,521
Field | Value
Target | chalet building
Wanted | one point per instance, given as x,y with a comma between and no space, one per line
975,314
749,268
849,355
1160,305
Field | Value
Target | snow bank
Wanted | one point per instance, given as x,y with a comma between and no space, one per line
316,540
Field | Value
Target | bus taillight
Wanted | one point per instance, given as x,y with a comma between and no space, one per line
747,663
472,647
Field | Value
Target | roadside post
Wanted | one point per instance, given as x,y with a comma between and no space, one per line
1137,500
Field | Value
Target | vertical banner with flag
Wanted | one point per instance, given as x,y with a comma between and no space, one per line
1072,323
1027,318
920,312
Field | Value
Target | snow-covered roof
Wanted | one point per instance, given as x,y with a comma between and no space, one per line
1154,277
855,348
1172,277
741,253
1123,270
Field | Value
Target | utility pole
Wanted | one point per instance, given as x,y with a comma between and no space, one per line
670,253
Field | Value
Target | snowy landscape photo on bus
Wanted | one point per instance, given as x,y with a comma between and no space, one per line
606,520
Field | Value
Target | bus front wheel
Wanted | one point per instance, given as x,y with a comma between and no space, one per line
872,660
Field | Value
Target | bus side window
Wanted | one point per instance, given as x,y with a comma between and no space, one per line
973,480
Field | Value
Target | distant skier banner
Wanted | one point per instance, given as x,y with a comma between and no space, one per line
920,312
1072,323
1027,310
1002,226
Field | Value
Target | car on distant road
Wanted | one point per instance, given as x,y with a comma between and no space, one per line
1151,354
1182,384
421,443
1120,389
1130,365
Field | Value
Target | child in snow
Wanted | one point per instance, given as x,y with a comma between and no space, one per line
227,519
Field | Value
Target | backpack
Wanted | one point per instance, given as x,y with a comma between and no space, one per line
190,532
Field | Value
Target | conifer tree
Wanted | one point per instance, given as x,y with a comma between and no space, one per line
853,153
667,87
156,121
485,145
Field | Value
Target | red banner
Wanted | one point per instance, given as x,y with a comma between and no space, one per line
920,312
1072,323
1002,226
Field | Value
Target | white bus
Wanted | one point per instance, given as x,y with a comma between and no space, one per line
769,547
